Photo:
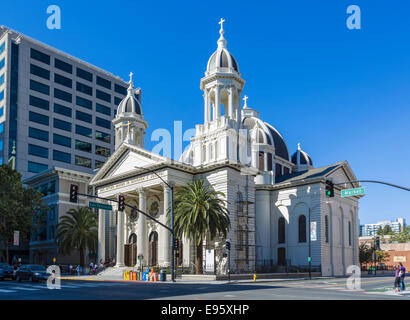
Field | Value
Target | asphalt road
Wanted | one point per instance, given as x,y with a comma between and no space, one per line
333,289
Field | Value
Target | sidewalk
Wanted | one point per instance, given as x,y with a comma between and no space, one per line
118,278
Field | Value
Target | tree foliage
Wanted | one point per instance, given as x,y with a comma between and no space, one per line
401,237
200,211
21,208
77,230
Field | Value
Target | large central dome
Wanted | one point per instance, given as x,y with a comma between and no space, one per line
221,60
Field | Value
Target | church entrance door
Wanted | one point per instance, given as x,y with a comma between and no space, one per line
281,256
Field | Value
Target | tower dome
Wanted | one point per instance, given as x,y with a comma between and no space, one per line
301,160
221,60
130,104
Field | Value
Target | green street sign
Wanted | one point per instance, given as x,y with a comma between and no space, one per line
352,192
309,259
98,205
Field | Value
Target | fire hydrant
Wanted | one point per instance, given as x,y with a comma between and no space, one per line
254,277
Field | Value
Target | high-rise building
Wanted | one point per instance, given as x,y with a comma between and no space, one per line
367,230
55,109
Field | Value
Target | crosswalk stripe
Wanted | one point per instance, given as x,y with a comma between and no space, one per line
7,291
24,288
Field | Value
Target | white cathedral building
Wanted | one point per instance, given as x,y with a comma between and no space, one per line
271,194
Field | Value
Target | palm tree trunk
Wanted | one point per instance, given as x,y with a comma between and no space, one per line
199,269
82,262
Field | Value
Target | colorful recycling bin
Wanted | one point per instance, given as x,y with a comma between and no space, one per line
145,276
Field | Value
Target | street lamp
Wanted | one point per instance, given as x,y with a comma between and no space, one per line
172,219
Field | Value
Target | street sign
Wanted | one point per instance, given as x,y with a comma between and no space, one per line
98,205
309,259
352,192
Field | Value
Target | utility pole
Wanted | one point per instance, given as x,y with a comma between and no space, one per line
310,257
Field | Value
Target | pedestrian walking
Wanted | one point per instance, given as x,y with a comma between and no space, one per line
79,270
402,275
91,267
396,278
70,269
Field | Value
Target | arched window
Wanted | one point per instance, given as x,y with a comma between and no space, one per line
302,228
153,249
261,160
327,229
350,233
281,230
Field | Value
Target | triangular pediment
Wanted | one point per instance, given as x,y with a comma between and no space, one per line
124,160
341,174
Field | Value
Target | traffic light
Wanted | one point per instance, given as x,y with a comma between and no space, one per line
176,244
378,243
228,245
73,193
330,191
121,203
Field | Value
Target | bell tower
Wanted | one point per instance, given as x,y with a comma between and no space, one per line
129,123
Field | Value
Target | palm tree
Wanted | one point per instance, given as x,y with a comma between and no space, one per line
199,210
77,230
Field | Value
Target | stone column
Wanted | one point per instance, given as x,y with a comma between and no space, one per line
207,107
217,104
164,235
101,235
230,104
238,107
120,239
142,245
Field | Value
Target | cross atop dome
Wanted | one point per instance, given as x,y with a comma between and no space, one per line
131,86
245,98
299,148
131,74
221,22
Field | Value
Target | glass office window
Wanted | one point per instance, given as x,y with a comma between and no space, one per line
38,134
83,146
1,127
64,66
103,123
117,101
1,111
65,111
83,162
98,164
102,136
64,81
105,152
38,151
103,82
84,75
36,167
103,96
87,132
2,79
39,72
39,87
62,95
120,89
61,156
81,87
39,56
2,63
39,103
103,109
2,47
63,125
61,140
84,103
83,116
38,118
2,95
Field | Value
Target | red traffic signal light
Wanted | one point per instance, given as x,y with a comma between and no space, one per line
329,190
121,203
73,193
176,244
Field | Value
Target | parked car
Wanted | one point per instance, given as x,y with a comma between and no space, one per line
381,266
6,271
32,272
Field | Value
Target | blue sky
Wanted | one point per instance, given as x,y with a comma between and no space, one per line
344,94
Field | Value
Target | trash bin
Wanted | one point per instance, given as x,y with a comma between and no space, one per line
163,275
145,276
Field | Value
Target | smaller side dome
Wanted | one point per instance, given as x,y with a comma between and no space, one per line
129,104
301,160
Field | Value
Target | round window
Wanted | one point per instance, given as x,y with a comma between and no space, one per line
154,209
